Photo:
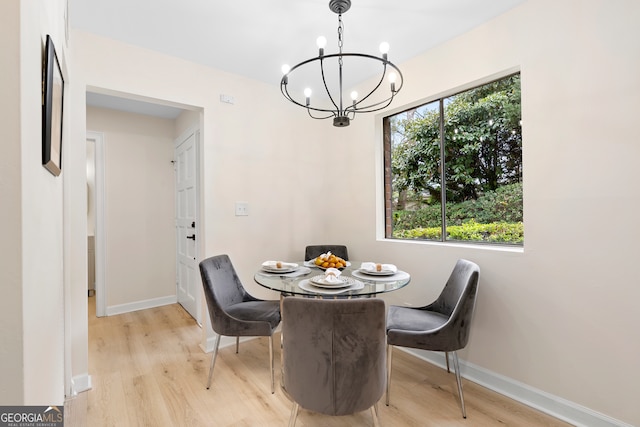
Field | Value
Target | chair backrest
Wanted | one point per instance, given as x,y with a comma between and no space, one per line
312,251
457,301
334,353
222,289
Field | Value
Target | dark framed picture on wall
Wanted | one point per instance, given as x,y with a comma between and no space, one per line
53,87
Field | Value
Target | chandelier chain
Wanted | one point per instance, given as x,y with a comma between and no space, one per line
340,36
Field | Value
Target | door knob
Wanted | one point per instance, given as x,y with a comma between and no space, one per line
192,237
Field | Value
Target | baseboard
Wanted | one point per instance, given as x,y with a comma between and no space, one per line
80,383
141,305
555,406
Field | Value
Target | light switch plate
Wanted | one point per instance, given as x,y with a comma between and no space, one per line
242,208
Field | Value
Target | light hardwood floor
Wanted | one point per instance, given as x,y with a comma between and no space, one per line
148,370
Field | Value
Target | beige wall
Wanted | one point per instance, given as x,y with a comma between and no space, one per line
559,315
139,205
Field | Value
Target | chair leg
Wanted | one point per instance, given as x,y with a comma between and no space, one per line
271,363
446,357
389,354
374,415
294,415
456,366
213,360
237,344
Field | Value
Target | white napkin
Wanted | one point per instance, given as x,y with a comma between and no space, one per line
372,266
331,275
274,264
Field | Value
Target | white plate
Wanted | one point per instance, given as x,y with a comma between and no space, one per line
310,287
287,267
400,275
311,263
378,273
322,283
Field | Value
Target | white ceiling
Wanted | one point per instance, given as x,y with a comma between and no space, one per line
253,38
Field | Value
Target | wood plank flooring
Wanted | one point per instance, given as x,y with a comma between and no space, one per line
148,370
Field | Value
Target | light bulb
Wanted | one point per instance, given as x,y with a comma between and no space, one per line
286,69
392,80
354,95
384,47
307,95
321,42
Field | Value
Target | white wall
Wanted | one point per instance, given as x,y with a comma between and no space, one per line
139,205
31,252
556,316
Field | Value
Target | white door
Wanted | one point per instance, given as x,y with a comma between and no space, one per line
188,275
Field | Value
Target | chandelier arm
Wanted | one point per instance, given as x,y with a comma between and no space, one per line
375,107
319,118
285,92
384,73
324,81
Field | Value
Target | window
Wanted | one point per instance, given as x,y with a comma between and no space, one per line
475,136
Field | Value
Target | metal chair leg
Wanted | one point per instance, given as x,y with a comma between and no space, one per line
374,415
457,368
213,360
237,344
446,356
389,354
294,415
271,363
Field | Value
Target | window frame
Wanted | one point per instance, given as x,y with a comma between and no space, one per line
387,193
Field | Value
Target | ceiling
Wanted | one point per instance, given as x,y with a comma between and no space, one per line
253,38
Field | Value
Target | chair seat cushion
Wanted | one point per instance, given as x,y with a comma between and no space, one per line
406,327
413,319
258,312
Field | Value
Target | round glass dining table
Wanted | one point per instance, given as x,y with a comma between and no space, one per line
306,280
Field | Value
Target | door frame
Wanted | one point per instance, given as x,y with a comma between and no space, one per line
99,233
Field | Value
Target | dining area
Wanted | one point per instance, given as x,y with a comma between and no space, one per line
338,338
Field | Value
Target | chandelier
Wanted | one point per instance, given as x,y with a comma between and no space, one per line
332,77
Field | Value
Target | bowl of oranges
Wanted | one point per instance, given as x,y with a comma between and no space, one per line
329,260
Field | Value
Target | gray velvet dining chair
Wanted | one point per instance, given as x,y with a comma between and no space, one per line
440,326
312,251
233,311
333,355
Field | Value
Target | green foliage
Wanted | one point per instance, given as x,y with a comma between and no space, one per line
482,140
504,204
497,232
493,217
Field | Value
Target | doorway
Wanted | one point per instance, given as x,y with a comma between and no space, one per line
134,230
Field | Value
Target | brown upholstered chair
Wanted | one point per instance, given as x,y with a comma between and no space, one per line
233,312
312,251
333,355
440,326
